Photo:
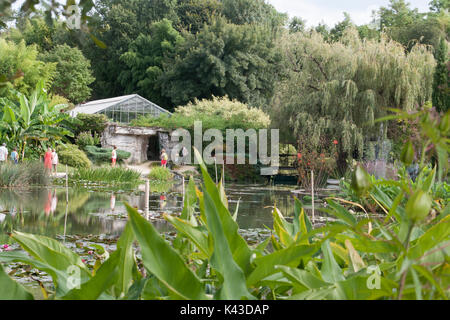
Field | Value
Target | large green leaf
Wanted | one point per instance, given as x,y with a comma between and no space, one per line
234,286
283,229
126,263
239,247
331,272
97,286
164,262
49,251
430,277
302,278
54,258
356,288
430,239
290,256
61,278
10,289
190,199
340,212
302,224
8,115
195,234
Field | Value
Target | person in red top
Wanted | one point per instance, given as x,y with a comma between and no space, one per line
48,159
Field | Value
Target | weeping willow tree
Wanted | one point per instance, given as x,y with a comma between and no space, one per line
336,90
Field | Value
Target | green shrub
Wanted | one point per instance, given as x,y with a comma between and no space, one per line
23,174
73,157
85,139
99,155
160,174
218,113
95,123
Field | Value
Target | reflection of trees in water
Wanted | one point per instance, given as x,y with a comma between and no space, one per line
256,202
43,211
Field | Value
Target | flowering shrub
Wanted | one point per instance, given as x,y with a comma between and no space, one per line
320,160
218,113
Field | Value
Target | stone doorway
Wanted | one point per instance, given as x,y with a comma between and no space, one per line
153,149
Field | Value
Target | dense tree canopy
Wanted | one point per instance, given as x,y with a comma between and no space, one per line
145,61
252,12
20,62
441,98
73,73
338,89
193,14
321,80
224,59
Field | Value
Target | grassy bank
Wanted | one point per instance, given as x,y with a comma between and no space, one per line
23,175
105,176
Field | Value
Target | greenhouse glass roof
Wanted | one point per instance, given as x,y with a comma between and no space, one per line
121,109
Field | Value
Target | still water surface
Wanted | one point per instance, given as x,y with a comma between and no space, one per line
45,211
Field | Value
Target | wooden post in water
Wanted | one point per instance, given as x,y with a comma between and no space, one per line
67,203
147,197
183,189
215,165
312,195
67,185
223,175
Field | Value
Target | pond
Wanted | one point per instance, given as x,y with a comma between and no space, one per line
45,211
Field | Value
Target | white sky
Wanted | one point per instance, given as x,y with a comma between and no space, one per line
331,11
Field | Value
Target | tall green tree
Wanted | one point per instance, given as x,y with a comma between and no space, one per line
441,94
31,120
297,24
73,74
336,90
118,24
145,58
240,61
20,63
439,5
338,31
252,12
193,14
397,14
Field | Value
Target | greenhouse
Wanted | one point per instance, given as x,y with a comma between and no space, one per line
122,109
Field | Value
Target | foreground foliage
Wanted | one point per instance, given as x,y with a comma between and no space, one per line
352,258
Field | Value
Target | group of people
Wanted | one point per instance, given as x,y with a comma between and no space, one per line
51,160
4,155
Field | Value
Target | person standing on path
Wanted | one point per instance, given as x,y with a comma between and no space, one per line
164,158
3,153
184,153
55,161
15,156
48,159
114,157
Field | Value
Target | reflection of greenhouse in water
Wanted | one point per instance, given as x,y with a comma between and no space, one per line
122,109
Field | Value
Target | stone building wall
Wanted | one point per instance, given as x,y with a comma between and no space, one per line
134,140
